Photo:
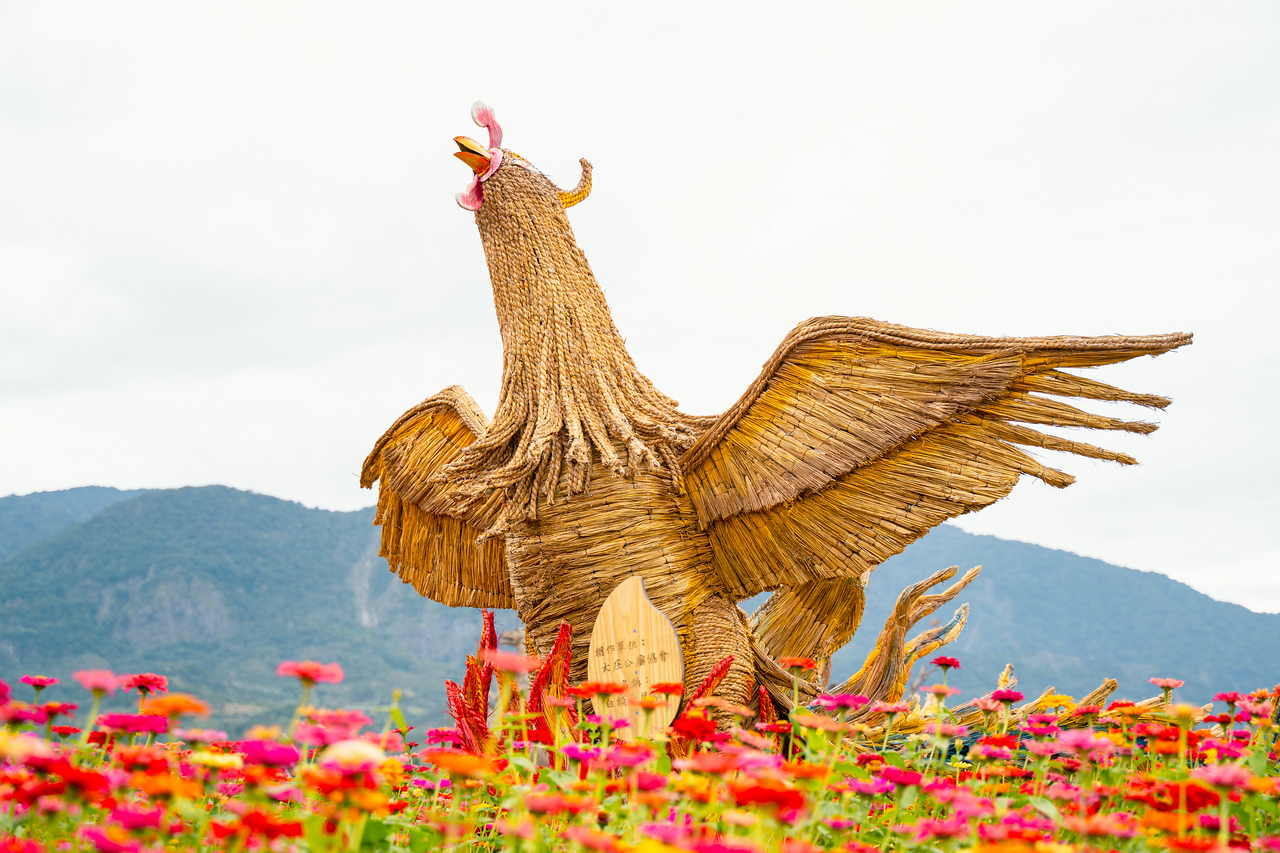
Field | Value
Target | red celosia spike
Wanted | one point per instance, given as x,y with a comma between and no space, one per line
552,680
712,681
767,713
488,642
458,709
471,684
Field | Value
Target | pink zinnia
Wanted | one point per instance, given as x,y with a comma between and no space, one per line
1231,698
268,752
134,723
145,682
100,681
1223,775
952,827
509,661
138,818
942,691
39,682
986,703
5,692
311,672
1007,697
1167,683
1262,710
890,707
945,663
849,701
900,777
110,839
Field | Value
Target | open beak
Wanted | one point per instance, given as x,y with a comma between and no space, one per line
473,154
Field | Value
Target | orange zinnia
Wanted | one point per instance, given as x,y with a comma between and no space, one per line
597,688
175,705
668,688
457,762
797,663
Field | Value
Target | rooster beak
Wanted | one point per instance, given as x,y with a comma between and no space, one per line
473,154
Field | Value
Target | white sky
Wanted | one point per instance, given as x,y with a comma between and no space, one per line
229,250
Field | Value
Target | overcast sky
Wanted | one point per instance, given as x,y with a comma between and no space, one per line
229,249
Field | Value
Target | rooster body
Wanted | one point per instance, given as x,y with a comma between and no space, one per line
857,438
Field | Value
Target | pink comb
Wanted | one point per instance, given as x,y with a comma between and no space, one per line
482,115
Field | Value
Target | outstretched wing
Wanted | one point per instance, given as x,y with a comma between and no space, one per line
428,538
859,437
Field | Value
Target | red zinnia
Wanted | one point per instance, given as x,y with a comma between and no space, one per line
797,663
145,682
945,663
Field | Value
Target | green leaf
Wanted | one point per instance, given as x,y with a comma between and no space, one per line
1257,763
895,759
1045,806
908,797
399,718
664,763
422,838
850,769
376,836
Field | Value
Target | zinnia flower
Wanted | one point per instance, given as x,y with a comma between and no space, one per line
311,672
39,682
945,663
1223,775
110,839
897,776
353,756
577,752
1167,683
597,688
942,691
667,688
458,763
268,752
134,723
145,682
843,701
1008,697
175,705
509,661
102,682
797,663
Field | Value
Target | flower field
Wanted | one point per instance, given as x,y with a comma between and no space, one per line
532,769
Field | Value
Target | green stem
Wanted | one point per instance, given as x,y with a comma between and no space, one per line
92,718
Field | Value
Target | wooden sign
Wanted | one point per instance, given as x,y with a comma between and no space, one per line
635,644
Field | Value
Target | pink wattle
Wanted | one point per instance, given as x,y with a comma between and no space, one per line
473,196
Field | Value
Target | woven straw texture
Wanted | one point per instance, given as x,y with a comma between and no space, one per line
857,438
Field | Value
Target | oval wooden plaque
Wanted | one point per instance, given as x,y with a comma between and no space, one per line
633,642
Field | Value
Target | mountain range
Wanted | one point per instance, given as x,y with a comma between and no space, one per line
213,587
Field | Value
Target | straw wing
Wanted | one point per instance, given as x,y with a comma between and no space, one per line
859,437
429,534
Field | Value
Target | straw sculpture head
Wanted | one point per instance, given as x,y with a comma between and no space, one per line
857,438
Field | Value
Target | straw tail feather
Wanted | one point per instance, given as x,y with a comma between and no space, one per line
858,437
884,674
429,534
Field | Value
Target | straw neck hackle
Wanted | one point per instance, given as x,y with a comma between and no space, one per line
569,386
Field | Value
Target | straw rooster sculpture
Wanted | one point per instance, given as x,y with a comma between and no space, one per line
857,438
